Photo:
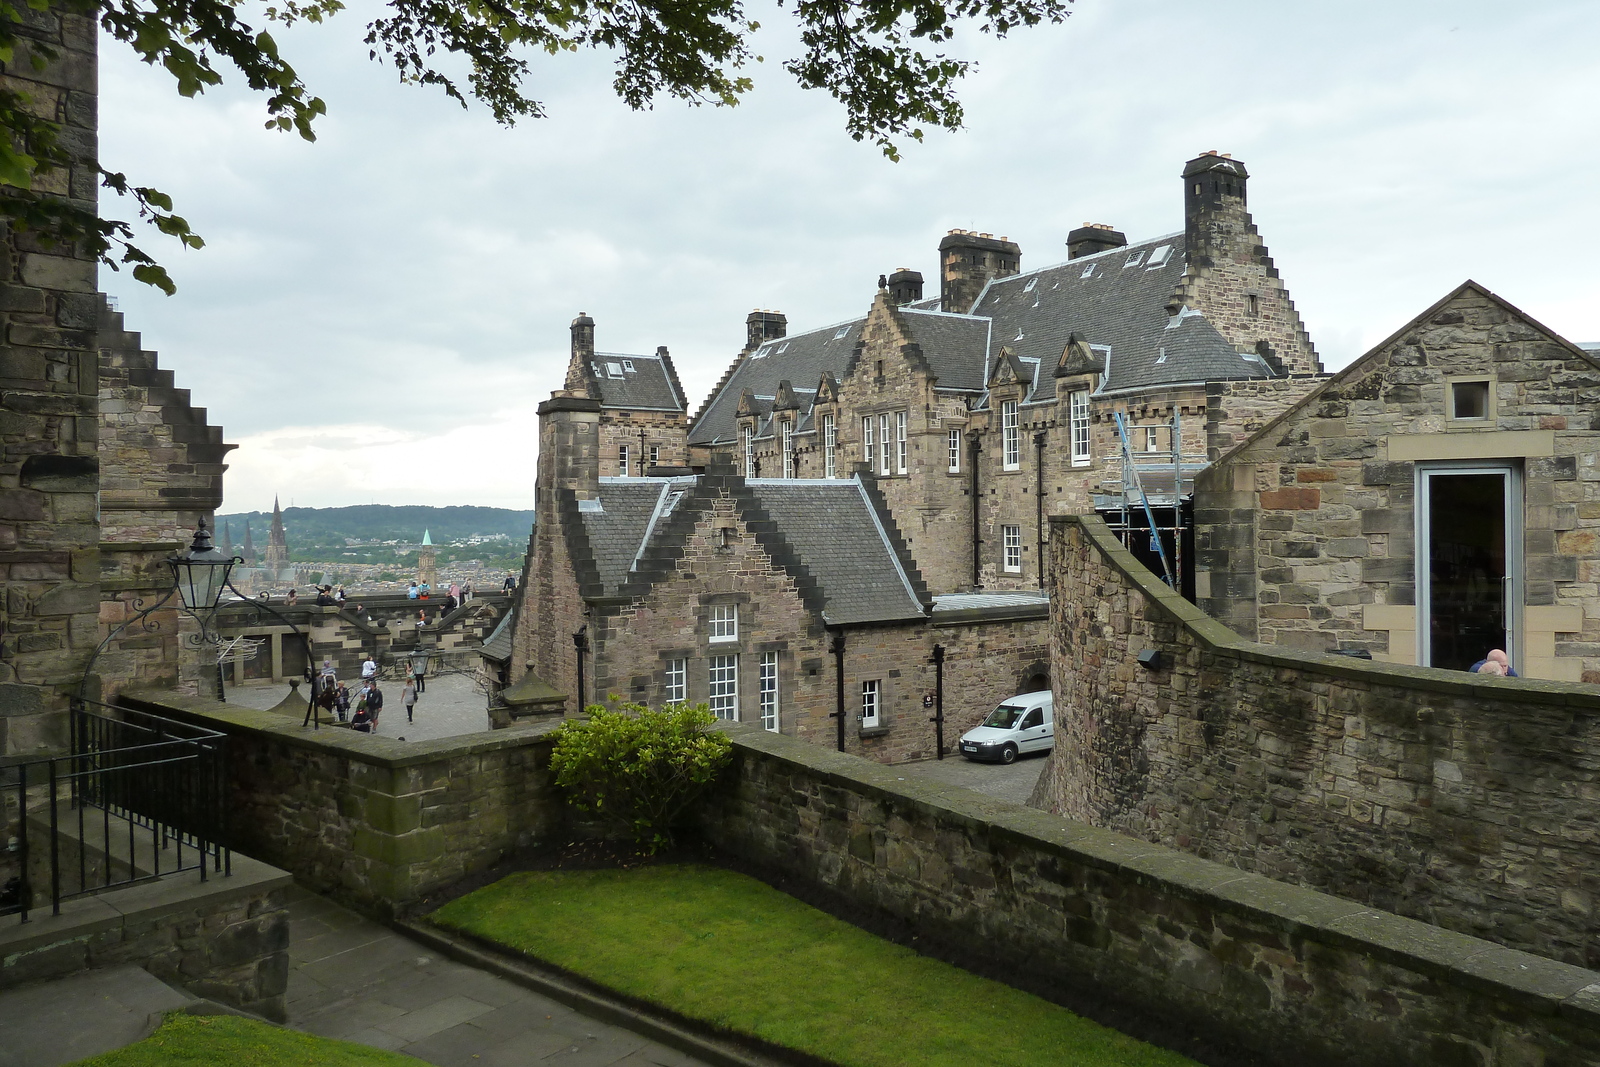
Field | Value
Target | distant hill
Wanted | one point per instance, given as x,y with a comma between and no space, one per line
323,534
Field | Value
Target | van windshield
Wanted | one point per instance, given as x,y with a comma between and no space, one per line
1004,717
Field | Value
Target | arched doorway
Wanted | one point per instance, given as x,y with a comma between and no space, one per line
1035,678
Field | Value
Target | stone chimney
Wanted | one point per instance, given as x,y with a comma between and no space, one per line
905,286
967,261
580,367
1093,237
764,326
1216,224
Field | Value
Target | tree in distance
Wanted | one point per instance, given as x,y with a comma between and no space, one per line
876,57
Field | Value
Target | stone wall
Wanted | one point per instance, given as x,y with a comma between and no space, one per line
225,939
49,528
374,822
1459,799
1090,917
161,465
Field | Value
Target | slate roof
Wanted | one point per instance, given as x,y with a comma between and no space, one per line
1115,301
497,646
801,358
617,523
834,529
949,343
643,383
829,526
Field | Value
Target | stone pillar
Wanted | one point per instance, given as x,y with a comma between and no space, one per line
49,471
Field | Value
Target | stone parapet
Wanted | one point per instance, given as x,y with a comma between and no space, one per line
1459,799
1091,917
374,822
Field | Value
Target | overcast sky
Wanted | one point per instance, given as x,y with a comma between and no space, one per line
376,315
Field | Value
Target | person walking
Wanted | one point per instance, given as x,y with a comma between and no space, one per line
408,697
419,673
374,703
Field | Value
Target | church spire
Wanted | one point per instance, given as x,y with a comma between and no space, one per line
249,552
277,557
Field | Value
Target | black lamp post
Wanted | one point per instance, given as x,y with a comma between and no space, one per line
202,572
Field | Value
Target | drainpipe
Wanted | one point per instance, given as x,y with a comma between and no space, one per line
938,699
837,648
972,470
1038,519
580,641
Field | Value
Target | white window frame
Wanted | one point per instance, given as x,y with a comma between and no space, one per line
830,447
1150,439
883,438
655,455
622,459
1011,539
676,688
1011,435
900,445
871,704
724,622
722,687
767,688
1078,421
866,442
749,451
953,442
786,442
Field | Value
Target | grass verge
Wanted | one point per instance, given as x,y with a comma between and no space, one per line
210,1040
729,950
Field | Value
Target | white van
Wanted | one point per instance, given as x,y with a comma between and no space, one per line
1024,723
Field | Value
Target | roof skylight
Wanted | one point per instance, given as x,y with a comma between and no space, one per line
840,332
1159,257
1133,260
627,364
1033,281
1088,271
614,370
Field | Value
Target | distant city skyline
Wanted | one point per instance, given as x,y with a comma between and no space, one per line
376,316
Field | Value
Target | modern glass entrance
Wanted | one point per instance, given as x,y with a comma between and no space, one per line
1469,562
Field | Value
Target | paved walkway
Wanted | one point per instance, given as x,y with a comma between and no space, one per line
451,705
352,979
1014,783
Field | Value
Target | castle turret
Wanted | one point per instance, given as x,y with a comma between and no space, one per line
427,561
581,377
967,261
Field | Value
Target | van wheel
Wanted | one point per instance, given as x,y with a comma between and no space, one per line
1008,754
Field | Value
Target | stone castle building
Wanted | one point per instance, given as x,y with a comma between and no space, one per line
935,435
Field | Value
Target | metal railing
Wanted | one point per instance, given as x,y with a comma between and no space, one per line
138,796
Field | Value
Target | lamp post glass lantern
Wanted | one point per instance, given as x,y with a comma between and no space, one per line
201,573
419,662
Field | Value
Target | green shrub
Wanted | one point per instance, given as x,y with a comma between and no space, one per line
639,769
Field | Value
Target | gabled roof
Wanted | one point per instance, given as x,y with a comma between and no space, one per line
802,357
952,345
641,383
1115,299
833,536
497,646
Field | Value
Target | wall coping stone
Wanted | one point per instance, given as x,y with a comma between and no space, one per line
145,902
1217,637
363,748
1534,982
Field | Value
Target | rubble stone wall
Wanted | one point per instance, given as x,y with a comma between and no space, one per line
1459,799
1086,915
49,474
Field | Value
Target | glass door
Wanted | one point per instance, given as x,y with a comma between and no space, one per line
1469,562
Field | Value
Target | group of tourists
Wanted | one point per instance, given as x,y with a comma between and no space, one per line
327,596
458,594
363,708
1496,663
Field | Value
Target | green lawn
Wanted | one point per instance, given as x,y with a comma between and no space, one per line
727,949
228,1040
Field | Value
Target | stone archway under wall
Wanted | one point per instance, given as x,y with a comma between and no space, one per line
1034,678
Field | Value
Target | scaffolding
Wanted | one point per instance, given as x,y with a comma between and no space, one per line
1150,481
